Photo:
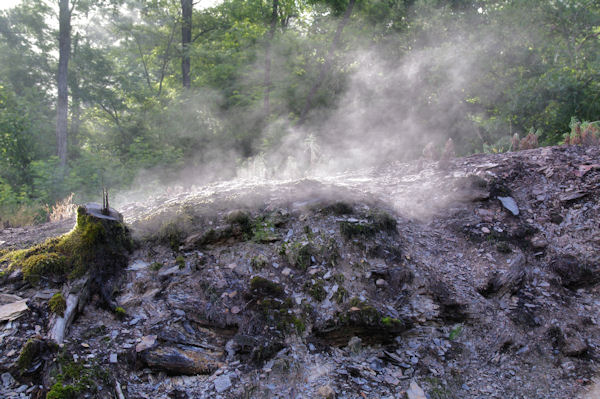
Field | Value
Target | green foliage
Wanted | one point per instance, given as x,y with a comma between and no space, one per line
57,304
130,117
60,391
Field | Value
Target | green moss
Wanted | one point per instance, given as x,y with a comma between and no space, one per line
355,302
43,265
156,266
60,391
383,221
29,352
260,286
180,260
361,314
278,313
316,290
263,231
120,312
241,223
58,304
391,322
350,230
75,379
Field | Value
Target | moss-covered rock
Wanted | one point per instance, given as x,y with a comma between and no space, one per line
350,230
261,287
363,320
279,314
58,304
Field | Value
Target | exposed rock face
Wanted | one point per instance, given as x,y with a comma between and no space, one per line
478,279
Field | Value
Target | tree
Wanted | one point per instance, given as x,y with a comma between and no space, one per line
186,39
62,108
326,65
273,25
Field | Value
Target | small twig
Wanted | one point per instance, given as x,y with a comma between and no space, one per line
105,205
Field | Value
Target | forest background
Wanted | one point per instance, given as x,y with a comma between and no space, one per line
133,94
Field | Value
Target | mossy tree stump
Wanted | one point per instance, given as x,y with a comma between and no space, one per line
94,252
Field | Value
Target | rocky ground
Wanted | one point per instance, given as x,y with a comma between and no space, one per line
473,279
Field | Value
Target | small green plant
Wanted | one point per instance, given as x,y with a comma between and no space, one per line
455,332
316,290
180,260
264,231
299,254
156,266
57,304
340,295
259,262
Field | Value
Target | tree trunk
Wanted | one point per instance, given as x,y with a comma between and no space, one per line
186,39
73,136
64,49
327,64
267,105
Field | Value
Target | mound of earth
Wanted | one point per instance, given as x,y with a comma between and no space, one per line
475,280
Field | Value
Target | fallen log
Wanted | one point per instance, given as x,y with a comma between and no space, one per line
76,297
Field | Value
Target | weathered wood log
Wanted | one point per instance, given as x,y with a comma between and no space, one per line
181,359
76,295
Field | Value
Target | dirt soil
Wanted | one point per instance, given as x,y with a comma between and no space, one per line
478,278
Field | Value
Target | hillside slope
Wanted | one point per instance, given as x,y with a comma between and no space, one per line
475,280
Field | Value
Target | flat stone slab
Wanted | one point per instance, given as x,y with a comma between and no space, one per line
13,311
